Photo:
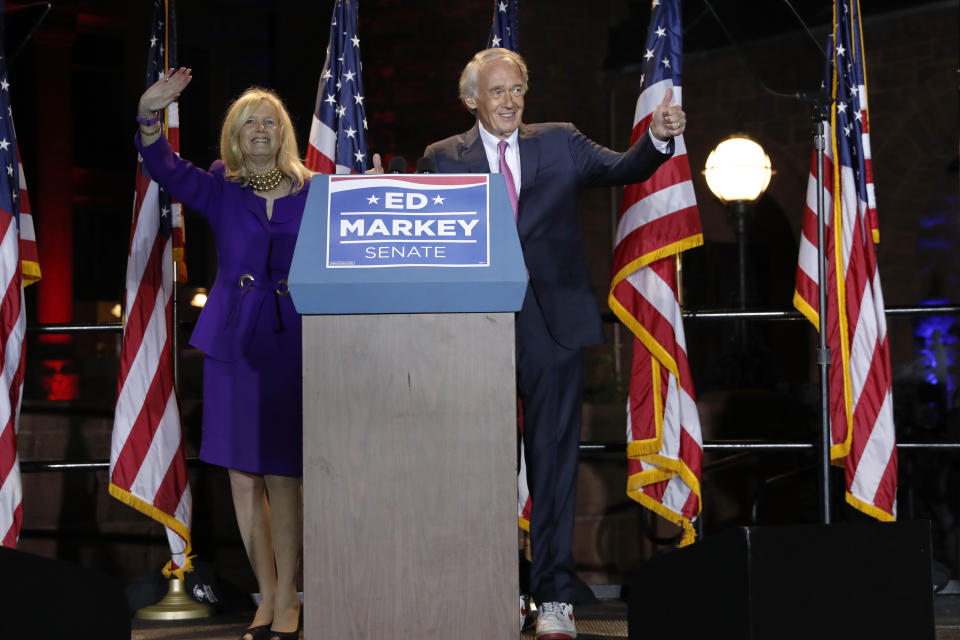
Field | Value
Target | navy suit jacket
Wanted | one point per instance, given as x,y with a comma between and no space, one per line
556,161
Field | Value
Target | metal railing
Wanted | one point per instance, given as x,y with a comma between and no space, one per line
586,448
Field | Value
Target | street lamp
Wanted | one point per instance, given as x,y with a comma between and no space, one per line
738,169
738,172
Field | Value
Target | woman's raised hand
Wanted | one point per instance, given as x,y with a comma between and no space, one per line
164,91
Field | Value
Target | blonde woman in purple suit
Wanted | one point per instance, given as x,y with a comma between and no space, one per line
249,331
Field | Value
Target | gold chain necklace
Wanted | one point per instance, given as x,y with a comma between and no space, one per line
266,181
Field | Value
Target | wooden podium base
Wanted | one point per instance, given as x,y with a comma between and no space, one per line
410,525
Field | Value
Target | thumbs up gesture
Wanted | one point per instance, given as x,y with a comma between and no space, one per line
668,120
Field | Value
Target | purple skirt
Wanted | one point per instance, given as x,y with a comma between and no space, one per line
253,407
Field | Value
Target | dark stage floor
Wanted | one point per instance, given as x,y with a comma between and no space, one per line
608,619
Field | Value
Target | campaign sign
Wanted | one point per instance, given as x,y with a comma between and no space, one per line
379,244
408,221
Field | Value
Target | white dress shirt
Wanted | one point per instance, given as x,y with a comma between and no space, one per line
491,147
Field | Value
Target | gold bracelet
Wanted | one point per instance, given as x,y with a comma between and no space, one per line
156,130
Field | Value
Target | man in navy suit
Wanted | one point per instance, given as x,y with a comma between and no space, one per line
545,165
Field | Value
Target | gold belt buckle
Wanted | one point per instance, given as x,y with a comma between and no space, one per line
283,290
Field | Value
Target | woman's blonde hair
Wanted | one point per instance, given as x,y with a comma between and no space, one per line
288,158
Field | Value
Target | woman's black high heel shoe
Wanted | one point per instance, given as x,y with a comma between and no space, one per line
260,632
289,635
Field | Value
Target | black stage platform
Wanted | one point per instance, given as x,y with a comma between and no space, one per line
603,621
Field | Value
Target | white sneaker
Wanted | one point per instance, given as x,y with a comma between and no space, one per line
555,621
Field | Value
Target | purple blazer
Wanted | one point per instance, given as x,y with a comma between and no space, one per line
245,241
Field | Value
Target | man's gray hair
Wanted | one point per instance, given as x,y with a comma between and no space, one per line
471,72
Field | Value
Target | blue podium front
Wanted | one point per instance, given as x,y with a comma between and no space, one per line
407,243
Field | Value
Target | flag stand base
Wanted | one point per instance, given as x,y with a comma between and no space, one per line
176,605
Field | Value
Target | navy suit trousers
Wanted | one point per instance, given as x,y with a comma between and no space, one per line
550,381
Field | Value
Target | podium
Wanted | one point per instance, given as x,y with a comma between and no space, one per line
408,285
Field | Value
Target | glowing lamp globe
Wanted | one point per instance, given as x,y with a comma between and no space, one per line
738,169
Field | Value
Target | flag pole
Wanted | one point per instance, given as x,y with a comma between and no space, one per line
819,104
818,109
175,331
33,29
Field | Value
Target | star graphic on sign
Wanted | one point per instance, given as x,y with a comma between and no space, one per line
840,50
373,200
350,131
330,98
4,144
666,63
355,40
358,99
341,110
153,41
496,41
661,32
348,76
503,7
648,54
438,199
359,156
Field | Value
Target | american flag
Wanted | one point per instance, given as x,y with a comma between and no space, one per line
524,501
658,220
18,266
504,31
29,260
861,398
148,468
337,135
